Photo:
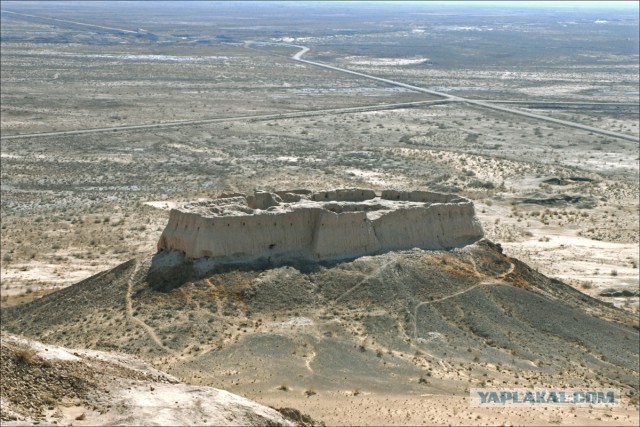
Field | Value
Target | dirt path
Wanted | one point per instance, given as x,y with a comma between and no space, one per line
364,280
150,331
512,267
499,279
309,360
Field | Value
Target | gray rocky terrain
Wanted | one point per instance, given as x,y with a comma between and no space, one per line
44,383
406,322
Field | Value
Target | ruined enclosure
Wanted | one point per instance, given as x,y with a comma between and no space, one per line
324,225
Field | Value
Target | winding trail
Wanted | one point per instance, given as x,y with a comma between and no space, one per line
512,267
309,360
365,279
128,297
499,279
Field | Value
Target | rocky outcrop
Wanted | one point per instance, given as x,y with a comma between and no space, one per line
39,380
327,225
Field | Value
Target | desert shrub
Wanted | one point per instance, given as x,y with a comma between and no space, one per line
27,356
476,183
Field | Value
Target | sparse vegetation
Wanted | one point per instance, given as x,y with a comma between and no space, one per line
26,355
103,198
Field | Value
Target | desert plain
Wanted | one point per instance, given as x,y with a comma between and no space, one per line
112,116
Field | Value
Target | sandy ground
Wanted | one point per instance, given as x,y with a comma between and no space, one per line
590,265
343,408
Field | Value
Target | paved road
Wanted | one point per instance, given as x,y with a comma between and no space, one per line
298,57
257,117
508,101
479,103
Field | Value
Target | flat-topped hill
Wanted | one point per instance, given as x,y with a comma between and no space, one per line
405,324
336,224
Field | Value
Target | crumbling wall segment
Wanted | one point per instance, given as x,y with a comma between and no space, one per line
343,235
334,228
344,195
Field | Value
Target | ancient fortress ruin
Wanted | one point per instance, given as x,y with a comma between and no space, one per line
328,225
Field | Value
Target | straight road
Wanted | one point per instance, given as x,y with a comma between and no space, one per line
122,30
257,117
479,103
509,101
298,57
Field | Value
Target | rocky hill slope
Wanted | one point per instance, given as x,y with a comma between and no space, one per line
43,383
406,323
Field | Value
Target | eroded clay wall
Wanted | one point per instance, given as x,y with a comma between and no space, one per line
343,235
437,226
241,237
344,195
310,231
419,196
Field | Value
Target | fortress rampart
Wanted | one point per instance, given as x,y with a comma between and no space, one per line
327,225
